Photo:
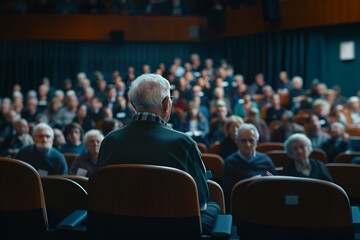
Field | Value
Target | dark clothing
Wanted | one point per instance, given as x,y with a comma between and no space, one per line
281,132
227,147
318,171
149,142
273,114
83,161
87,123
236,169
68,148
263,130
333,147
52,161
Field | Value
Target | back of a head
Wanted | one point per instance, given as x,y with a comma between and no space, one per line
148,91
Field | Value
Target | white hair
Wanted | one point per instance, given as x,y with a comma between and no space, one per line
81,75
295,138
89,89
298,78
59,92
32,93
353,99
70,93
43,126
93,133
148,91
17,94
248,126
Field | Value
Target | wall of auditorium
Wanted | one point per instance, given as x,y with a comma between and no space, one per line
343,73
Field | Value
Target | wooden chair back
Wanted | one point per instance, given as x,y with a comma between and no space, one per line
215,148
346,157
70,157
278,207
22,204
82,181
214,163
269,146
216,195
202,147
138,201
62,197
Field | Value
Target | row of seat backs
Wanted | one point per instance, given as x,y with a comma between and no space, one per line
151,194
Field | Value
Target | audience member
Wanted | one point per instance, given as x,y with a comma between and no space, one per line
352,111
73,133
59,139
83,119
257,86
244,105
41,155
286,128
246,162
298,147
314,132
85,164
110,124
67,114
275,111
229,144
338,143
262,127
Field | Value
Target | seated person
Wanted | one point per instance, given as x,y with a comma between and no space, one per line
22,138
41,155
246,162
338,143
275,111
73,134
313,130
110,124
228,145
85,164
298,148
286,128
195,124
260,124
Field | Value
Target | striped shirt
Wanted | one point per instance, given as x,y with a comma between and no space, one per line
147,116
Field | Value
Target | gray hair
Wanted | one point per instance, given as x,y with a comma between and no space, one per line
93,133
248,126
353,99
295,138
43,126
298,78
148,91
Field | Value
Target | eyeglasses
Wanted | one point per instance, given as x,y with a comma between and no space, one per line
171,99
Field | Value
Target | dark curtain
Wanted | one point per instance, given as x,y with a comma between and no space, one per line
299,52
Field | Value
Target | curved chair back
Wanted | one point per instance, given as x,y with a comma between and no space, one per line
215,147
202,147
346,157
279,158
348,177
216,195
281,207
353,131
269,146
214,163
273,125
143,201
22,204
62,197
70,157
319,154
82,181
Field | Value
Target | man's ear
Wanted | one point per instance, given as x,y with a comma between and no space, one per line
165,105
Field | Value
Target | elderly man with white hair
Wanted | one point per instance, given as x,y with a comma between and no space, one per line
148,139
41,155
298,148
85,164
246,162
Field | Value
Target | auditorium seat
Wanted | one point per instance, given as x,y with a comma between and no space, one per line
319,154
202,147
22,204
70,157
280,207
216,195
279,157
347,176
62,197
143,202
346,157
82,181
269,146
215,148
214,163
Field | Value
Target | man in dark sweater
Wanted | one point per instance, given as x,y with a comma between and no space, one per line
41,155
246,162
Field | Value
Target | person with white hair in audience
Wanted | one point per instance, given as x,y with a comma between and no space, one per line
338,143
148,139
68,112
85,164
41,155
352,111
246,162
298,148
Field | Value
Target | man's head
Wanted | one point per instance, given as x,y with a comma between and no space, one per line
92,140
297,82
247,138
337,130
283,76
43,136
259,79
151,92
21,126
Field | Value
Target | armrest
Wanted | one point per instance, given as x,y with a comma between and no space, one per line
356,219
73,220
222,226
